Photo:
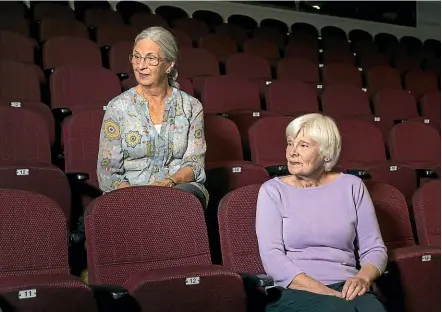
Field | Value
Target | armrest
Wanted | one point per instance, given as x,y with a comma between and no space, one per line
398,121
277,170
48,72
75,177
364,175
115,291
258,280
122,76
426,173
105,49
61,113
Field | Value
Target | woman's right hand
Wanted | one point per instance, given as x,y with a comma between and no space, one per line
332,292
123,185
304,282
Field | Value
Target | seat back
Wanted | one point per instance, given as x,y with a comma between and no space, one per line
414,142
382,77
195,62
342,101
361,143
223,139
236,218
24,137
271,34
55,27
234,32
262,47
18,82
128,9
59,51
248,66
426,209
16,47
221,46
95,17
119,57
268,141
142,21
393,105
33,233
194,28
46,180
420,82
81,138
45,10
38,108
223,94
430,105
110,34
344,74
165,228
280,99
392,214
297,69
81,85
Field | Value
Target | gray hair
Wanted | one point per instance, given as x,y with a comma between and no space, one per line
323,130
168,46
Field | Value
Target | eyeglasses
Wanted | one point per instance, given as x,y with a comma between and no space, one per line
149,60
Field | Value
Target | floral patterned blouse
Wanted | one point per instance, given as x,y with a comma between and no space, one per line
132,150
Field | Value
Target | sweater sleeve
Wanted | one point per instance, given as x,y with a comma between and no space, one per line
372,249
269,231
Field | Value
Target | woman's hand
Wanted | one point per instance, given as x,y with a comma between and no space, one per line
164,182
123,185
355,286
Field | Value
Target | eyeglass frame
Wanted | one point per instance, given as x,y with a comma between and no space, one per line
146,59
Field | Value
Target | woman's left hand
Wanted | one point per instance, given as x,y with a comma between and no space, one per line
355,286
165,182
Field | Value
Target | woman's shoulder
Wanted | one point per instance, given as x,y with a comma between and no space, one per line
272,186
123,100
187,98
350,179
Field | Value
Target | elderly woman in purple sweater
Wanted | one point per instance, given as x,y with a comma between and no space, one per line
317,230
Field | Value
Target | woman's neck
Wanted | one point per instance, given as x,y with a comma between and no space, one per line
156,94
313,180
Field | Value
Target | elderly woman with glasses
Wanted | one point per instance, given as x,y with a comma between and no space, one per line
317,230
153,134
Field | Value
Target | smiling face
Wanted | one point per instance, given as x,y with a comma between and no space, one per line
303,155
148,63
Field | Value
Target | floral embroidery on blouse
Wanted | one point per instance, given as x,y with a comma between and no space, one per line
131,150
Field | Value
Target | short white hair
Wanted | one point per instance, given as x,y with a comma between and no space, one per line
323,130
168,46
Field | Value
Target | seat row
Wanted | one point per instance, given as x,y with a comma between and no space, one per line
119,40
258,151
153,254
239,27
82,83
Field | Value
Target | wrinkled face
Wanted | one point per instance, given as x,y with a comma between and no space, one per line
148,63
303,155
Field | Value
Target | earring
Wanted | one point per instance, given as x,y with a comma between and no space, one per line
168,71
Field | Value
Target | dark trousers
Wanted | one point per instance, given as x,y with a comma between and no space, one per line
290,300
190,188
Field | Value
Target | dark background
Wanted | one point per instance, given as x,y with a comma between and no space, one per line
392,12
